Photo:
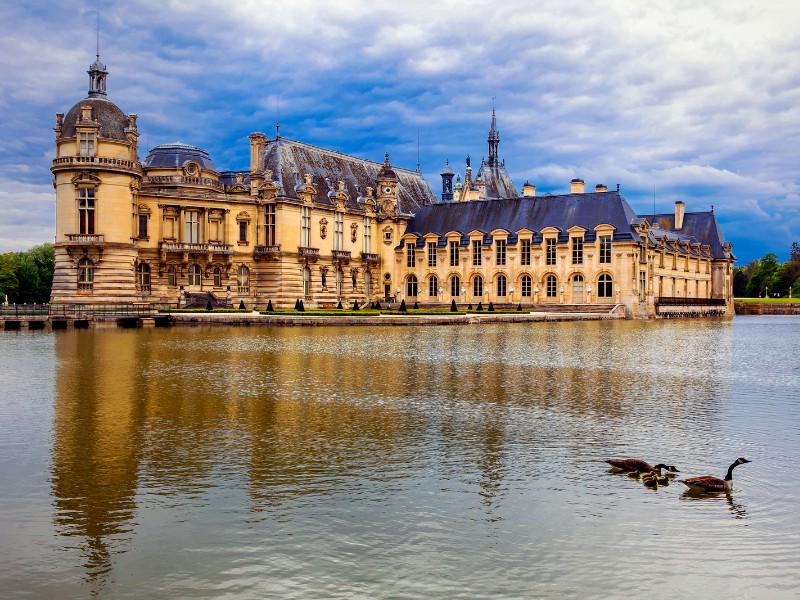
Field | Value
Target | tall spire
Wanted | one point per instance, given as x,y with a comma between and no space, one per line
494,139
97,70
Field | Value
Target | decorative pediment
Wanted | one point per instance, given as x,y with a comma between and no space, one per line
243,216
86,178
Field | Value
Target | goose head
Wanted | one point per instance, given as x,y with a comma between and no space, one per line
668,468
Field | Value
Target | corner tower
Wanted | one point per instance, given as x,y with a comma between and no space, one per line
97,176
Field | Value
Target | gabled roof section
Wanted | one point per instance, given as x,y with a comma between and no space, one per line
533,213
290,160
698,227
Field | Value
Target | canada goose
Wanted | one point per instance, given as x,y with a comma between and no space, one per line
663,480
707,483
650,480
634,464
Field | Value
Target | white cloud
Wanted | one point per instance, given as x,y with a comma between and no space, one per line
701,98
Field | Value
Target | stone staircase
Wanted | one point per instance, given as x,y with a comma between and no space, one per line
201,300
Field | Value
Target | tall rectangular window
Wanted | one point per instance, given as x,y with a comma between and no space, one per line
86,144
338,231
86,210
605,249
642,284
577,251
500,252
431,254
242,231
305,226
550,251
192,227
525,253
367,235
269,234
411,255
476,253
142,226
454,253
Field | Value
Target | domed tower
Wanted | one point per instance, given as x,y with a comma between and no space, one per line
447,182
97,176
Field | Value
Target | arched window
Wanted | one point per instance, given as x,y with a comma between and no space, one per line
477,286
172,278
194,275
526,286
433,286
411,286
143,276
243,279
455,286
306,281
85,275
501,286
217,277
605,286
551,284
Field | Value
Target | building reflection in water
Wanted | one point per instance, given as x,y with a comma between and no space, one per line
291,414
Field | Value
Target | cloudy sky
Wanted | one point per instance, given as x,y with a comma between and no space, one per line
676,100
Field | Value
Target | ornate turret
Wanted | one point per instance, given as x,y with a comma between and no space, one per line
494,141
447,182
97,79
387,188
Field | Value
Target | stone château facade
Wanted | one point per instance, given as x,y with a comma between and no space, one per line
309,223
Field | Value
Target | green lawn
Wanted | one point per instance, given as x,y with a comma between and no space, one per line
785,300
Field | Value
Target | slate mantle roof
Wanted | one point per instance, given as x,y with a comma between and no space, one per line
497,180
534,213
108,115
290,160
698,227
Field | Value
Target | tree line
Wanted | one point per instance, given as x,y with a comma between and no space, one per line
27,277
766,276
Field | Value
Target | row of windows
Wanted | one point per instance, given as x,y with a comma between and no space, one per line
604,286
500,252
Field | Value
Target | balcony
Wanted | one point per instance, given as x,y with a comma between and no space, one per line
269,252
196,248
95,162
175,181
84,239
343,256
369,259
311,254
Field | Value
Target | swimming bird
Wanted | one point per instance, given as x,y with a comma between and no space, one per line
707,483
634,464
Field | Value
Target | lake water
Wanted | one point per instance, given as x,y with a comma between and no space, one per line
399,462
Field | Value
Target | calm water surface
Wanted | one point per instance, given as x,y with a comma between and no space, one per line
399,462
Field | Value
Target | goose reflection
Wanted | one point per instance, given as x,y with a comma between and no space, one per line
736,508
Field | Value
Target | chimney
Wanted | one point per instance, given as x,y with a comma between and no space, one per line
576,186
600,188
679,210
528,189
258,143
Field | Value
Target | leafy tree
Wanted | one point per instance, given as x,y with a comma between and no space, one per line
740,279
794,253
760,279
9,282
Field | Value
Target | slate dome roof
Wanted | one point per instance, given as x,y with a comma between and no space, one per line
178,154
113,121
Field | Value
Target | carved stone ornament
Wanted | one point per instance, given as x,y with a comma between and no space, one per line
323,228
387,236
353,232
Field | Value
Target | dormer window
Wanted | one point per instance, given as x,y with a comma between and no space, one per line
192,170
86,143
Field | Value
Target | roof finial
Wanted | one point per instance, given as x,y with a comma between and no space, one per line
418,169
277,117
386,159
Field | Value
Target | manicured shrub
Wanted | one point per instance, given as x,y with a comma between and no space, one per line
208,305
403,306
339,306
355,305
241,305
519,307
453,307
269,307
480,307
491,307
